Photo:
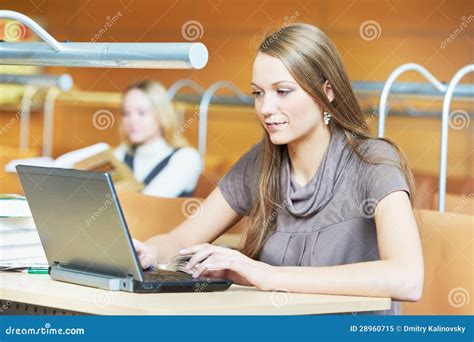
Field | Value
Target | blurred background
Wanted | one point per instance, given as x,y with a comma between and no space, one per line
373,37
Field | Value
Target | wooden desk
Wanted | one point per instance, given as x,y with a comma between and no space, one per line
41,290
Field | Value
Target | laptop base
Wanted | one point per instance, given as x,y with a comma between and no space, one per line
128,284
74,276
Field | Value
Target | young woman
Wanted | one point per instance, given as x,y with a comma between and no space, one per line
153,148
329,205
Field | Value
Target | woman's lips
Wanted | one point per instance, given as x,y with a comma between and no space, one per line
276,126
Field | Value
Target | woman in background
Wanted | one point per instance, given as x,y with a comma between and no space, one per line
153,147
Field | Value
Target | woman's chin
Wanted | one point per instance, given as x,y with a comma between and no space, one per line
136,140
278,139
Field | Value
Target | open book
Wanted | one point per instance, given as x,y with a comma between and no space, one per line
177,264
97,158
66,160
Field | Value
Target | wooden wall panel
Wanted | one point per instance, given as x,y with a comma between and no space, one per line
410,31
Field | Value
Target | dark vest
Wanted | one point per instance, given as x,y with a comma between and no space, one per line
129,158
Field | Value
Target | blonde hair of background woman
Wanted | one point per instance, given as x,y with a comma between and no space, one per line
311,58
163,110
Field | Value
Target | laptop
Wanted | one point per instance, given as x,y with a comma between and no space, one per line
85,236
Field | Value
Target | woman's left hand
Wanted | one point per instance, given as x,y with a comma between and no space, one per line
215,261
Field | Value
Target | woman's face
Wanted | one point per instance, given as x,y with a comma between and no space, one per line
285,110
139,122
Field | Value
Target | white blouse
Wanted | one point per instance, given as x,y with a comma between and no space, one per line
180,174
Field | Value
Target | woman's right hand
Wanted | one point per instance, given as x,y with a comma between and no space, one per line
145,254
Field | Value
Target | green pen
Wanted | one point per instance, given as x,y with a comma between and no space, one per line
36,270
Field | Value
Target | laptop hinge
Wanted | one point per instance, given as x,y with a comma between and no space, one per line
75,276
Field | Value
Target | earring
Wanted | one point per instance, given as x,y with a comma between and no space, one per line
327,117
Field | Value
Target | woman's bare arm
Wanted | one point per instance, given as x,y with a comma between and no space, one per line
214,218
398,273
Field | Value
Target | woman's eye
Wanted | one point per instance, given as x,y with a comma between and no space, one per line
256,93
283,91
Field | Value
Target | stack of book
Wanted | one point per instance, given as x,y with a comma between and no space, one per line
19,240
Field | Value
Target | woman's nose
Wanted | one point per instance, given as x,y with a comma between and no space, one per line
132,118
268,107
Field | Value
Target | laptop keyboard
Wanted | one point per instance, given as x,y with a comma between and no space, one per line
164,275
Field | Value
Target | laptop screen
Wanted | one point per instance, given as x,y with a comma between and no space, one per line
79,220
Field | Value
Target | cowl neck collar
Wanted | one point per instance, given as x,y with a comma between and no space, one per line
316,194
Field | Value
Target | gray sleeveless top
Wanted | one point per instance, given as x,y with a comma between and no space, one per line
330,220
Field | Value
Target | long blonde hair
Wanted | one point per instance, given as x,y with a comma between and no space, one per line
312,59
163,110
